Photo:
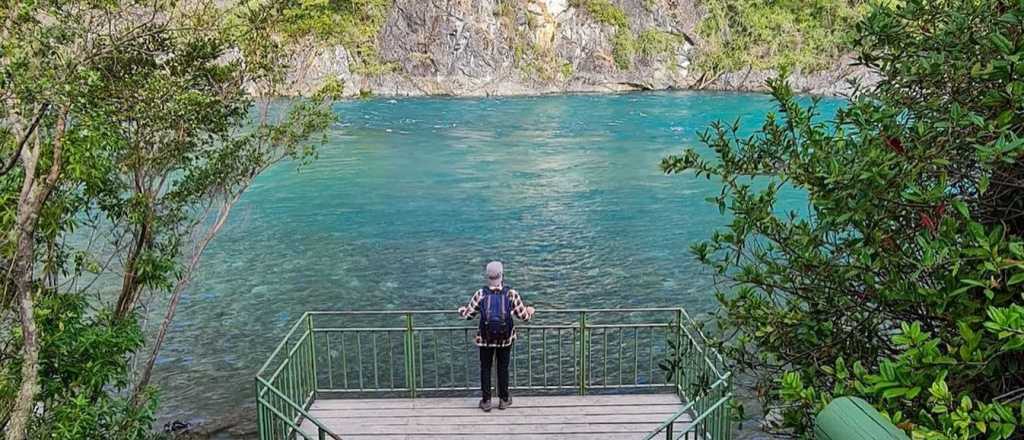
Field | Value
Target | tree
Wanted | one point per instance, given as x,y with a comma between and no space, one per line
140,121
903,282
786,34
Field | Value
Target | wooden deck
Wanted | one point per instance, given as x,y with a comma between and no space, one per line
603,417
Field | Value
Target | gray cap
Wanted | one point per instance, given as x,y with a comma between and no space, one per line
495,272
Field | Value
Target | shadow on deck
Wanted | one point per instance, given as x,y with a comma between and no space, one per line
575,374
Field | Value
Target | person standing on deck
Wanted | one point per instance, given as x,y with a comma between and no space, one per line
496,303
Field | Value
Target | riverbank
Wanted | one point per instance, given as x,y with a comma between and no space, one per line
836,81
482,48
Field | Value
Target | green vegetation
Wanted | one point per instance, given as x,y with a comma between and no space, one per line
603,11
625,45
623,48
793,34
532,59
81,354
354,24
623,42
332,89
903,283
653,42
128,131
539,62
567,70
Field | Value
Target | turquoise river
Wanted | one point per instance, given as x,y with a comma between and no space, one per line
411,197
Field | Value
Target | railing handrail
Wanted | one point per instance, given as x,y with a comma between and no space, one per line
452,311
465,327
703,339
302,411
703,355
693,423
672,419
284,418
281,345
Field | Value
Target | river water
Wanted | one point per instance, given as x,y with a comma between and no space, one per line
411,197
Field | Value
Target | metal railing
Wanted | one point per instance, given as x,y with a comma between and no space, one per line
414,353
284,395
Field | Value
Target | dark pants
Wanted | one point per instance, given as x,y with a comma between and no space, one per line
487,355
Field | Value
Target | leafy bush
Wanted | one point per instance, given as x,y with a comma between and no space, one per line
566,71
803,34
903,283
354,24
128,131
654,42
623,42
603,11
623,48
84,373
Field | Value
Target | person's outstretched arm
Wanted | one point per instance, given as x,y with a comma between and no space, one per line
521,310
469,311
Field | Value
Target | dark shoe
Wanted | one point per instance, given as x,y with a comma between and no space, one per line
502,404
485,405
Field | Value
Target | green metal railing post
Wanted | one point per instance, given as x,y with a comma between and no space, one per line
410,356
677,374
583,353
289,381
312,354
260,417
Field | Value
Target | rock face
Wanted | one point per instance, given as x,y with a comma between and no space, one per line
515,47
835,81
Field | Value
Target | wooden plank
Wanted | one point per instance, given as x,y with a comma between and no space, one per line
528,433
345,429
587,436
505,420
528,401
605,417
473,411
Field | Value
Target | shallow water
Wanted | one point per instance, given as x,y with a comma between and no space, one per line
413,196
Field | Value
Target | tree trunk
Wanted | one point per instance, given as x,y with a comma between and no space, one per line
33,195
179,288
18,426
130,284
147,370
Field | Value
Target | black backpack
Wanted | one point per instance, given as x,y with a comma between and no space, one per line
495,315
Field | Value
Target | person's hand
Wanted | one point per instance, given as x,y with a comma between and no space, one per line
530,311
462,310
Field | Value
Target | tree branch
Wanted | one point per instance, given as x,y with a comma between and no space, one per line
179,288
24,139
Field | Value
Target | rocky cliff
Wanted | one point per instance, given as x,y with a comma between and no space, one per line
510,47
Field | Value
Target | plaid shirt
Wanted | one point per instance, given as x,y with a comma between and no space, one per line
472,309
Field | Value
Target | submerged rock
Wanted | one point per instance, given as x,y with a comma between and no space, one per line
239,424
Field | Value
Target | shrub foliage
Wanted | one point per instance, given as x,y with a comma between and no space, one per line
128,131
798,34
904,282
354,24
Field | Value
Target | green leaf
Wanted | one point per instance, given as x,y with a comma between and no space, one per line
961,207
913,392
1004,45
895,392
